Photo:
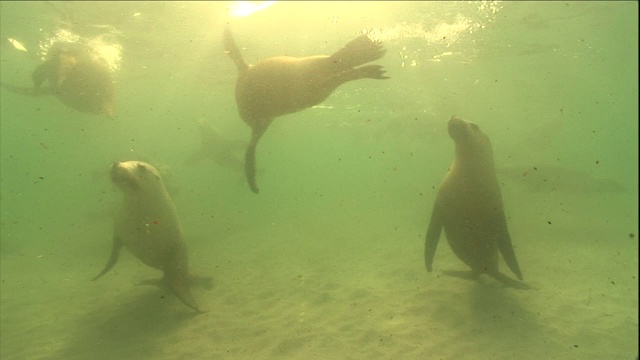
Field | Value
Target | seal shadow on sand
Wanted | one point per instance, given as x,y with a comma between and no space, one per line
128,330
495,308
486,309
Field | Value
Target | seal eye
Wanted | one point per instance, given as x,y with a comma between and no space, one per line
142,168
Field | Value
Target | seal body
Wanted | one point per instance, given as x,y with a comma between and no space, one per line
215,146
77,75
284,84
148,226
469,208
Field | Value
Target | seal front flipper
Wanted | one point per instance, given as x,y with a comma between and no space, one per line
42,72
433,236
504,244
115,251
250,161
27,91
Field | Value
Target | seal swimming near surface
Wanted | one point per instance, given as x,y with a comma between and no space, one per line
469,208
77,75
284,84
148,226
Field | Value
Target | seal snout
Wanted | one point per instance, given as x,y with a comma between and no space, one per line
120,175
462,130
455,122
455,126
114,169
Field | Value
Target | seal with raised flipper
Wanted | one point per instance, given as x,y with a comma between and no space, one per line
469,208
148,226
284,84
77,75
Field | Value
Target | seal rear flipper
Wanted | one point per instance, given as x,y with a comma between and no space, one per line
363,72
115,251
358,51
371,72
467,275
432,237
179,286
506,248
509,282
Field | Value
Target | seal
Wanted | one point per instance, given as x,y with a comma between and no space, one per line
284,84
77,75
469,208
215,146
148,226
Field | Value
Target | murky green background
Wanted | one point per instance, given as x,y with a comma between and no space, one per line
346,187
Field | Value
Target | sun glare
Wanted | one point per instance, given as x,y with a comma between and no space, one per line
246,8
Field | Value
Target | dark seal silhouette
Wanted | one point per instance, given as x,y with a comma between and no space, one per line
469,209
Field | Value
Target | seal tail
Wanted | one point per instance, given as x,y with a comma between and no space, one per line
231,48
358,51
250,162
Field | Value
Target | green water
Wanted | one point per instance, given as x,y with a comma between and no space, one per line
326,262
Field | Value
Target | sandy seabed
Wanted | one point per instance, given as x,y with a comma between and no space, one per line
321,289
